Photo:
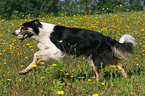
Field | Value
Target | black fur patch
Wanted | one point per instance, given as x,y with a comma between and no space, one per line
35,24
76,41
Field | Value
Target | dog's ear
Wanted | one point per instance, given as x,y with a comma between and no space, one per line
37,22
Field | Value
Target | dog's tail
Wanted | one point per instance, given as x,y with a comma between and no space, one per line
125,46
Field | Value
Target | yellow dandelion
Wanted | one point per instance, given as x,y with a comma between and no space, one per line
1,54
112,66
22,66
27,44
20,80
66,74
60,41
9,79
71,76
33,65
54,65
26,57
59,23
89,79
120,5
73,70
62,84
103,84
60,92
42,77
84,89
41,63
95,95
79,62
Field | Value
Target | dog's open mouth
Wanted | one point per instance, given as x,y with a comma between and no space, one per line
25,36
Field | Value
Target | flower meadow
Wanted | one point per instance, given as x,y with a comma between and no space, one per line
72,77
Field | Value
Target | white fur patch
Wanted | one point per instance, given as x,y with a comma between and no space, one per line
45,43
18,31
127,38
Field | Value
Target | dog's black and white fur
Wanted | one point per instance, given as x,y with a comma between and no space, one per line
57,41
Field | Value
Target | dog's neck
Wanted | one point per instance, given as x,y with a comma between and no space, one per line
44,32
44,36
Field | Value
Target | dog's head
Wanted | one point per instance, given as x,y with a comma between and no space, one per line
28,30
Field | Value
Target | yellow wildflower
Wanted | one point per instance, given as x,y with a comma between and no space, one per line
95,95
112,66
66,74
103,83
84,89
42,77
60,41
22,66
60,92
33,65
9,79
41,63
2,20
89,79
26,57
120,5
27,44
20,80
54,65
71,76
62,84
79,62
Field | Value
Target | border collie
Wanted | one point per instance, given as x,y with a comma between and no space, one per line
57,41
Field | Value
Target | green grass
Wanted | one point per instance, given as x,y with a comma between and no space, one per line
75,77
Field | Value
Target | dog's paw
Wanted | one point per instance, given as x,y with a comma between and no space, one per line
23,71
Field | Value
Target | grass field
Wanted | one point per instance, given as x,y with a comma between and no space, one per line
72,77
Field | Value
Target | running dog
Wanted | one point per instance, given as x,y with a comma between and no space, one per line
57,41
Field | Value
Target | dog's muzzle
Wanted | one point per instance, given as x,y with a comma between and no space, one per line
14,33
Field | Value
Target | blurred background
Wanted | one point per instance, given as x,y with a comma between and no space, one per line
12,9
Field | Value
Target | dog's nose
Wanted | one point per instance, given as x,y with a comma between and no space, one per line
14,33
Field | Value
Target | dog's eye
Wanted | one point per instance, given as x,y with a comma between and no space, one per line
23,28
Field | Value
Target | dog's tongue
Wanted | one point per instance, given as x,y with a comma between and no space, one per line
25,35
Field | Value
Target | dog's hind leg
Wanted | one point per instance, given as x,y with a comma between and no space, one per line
95,69
122,69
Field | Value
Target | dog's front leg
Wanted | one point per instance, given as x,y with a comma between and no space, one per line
34,62
37,57
43,55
